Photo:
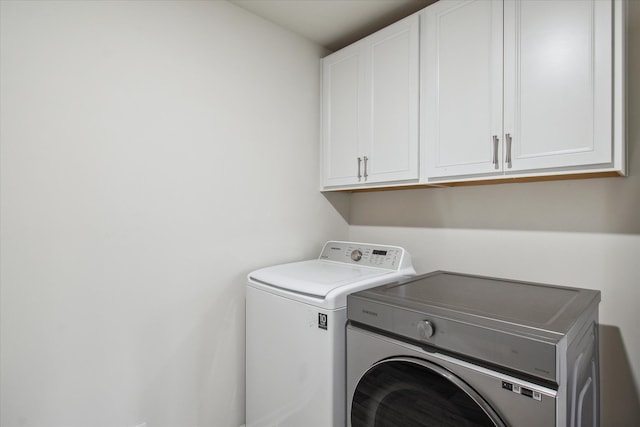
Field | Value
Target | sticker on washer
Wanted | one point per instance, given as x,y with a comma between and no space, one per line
522,390
323,321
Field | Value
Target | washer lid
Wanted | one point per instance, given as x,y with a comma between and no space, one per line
314,278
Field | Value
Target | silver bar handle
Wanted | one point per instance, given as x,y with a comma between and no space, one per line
508,140
359,174
366,159
496,143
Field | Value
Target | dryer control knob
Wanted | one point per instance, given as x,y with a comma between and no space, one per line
356,255
425,329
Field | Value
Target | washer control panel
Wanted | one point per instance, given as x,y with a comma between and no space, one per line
370,255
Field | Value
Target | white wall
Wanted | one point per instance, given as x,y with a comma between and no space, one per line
574,233
153,153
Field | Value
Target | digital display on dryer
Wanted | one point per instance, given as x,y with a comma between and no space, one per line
379,252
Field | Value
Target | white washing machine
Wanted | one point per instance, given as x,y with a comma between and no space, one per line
295,324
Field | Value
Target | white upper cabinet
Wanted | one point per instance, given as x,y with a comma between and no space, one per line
558,83
342,88
370,117
519,86
462,98
470,90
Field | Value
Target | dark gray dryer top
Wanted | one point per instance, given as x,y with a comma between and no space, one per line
548,307
511,323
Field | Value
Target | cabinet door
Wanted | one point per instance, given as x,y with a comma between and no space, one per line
558,83
341,116
392,98
462,99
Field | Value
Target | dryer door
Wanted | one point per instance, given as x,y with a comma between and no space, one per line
409,392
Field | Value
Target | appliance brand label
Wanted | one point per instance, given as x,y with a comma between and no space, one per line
323,321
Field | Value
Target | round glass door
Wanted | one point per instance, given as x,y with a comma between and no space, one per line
416,393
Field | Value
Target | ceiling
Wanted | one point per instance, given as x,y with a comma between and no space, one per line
332,23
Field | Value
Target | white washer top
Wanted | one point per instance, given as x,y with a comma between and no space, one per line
341,268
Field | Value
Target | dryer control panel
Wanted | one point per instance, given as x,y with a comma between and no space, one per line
365,254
